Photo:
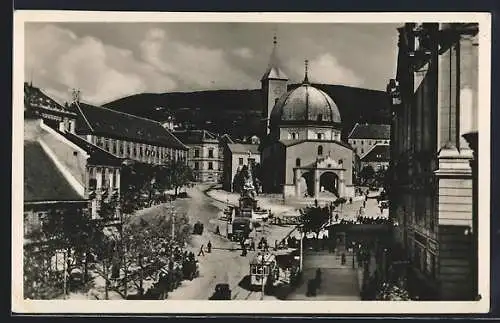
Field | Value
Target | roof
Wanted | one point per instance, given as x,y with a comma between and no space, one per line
265,258
98,156
379,153
42,179
305,104
107,122
274,70
226,139
35,98
244,148
195,136
370,131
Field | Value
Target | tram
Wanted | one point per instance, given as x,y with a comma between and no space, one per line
263,267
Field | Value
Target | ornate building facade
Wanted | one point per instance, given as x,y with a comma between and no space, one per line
434,99
302,153
205,156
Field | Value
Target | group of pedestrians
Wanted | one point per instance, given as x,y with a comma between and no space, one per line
202,249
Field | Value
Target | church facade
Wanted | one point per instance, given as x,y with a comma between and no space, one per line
302,152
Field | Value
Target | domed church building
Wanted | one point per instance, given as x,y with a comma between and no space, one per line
302,153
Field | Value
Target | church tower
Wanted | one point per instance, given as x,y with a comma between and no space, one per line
273,86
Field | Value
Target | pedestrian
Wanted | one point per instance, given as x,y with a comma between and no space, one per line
209,247
201,251
275,245
343,259
316,202
252,245
217,230
350,200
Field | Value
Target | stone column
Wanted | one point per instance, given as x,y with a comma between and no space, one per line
472,140
110,173
98,178
297,180
316,183
468,87
341,184
117,179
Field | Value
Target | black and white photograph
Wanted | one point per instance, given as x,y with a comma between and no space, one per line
251,163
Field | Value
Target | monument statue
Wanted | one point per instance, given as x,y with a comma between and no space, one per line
248,186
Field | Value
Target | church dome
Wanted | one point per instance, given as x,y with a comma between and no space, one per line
305,105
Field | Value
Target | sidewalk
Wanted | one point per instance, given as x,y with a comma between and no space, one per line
338,282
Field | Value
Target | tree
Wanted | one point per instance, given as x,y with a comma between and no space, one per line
313,218
367,173
148,242
105,248
69,229
175,174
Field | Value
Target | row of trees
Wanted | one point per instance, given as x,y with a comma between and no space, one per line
146,183
123,252
109,250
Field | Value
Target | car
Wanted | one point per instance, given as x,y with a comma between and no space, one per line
222,292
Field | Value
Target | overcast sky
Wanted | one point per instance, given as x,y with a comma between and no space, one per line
107,61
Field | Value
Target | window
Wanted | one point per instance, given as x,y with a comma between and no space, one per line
140,151
362,142
240,161
294,135
362,151
210,153
320,136
320,117
210,165
251,161
121,150
196,153
135,151
297,162
196,165
341,162
354,142
320,150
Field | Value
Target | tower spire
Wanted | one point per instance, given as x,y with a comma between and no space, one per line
306,79
274,68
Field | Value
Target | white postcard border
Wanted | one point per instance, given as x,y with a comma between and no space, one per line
19,305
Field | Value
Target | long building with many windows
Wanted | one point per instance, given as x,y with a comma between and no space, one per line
128,136
435,103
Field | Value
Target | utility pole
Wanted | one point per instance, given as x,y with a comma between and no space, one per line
65,274
123,250
263,276
301,250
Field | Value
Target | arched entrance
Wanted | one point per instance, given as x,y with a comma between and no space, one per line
306,184
330,182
